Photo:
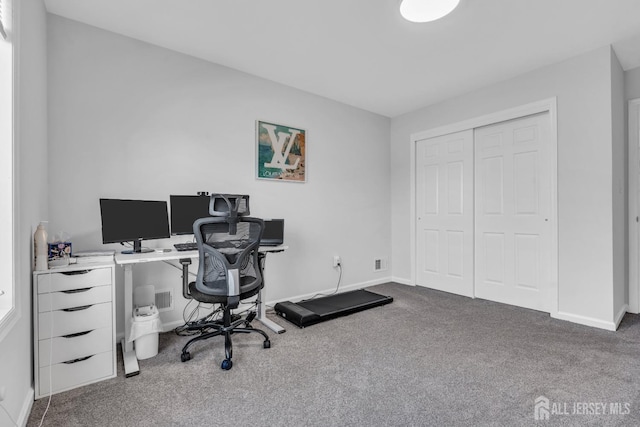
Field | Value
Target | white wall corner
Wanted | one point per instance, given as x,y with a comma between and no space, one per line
403,281
620,315
587,321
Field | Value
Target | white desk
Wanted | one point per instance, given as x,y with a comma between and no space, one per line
131,367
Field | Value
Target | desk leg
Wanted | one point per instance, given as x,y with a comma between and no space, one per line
261,316
131,367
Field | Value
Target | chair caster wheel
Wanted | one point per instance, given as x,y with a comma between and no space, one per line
226,364
266,344
185,356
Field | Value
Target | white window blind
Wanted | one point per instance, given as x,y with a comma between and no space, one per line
2,32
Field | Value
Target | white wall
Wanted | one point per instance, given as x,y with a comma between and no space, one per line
31,175
631,91
131,120
118,106
632,84
582,86
620,190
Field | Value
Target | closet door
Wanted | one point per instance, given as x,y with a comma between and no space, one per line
444,203
512,201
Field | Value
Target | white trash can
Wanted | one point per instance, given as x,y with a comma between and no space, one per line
145,329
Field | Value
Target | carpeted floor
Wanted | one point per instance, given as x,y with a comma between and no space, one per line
428,358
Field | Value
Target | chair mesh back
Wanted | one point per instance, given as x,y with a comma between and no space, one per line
225,246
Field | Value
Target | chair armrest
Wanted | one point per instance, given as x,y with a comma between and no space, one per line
185,277
233,287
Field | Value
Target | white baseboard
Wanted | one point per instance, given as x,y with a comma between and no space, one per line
23,417
587,321
582,320
168,326
402,281
620,315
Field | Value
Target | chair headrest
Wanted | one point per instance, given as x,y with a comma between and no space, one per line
229,205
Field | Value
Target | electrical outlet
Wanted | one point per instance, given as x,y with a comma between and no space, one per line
337,261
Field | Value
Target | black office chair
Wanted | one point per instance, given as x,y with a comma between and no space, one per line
229,270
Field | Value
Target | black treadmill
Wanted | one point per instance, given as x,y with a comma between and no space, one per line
310,312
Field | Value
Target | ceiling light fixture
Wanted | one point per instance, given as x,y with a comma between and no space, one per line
426,10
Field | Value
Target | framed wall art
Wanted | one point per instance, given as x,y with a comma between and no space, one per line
280,152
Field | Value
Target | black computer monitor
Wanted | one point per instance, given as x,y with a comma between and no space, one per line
133,221
185,210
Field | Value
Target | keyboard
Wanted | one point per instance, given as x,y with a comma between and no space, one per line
189,246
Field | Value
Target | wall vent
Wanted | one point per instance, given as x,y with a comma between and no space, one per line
380,264
164,300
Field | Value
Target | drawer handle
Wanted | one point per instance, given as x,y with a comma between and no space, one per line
83,307
75,291
69,362
75,273
79,334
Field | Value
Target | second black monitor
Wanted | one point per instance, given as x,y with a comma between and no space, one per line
185,210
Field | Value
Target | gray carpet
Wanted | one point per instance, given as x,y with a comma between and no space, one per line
428,358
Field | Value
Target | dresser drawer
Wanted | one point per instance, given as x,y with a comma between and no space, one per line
71,375
73,298
54,282
81,319
74,347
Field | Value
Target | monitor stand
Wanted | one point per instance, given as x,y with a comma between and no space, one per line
137,248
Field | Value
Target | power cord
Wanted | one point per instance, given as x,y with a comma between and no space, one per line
332,293
50,359
252,307
184,330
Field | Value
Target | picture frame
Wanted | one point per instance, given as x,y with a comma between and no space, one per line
280,152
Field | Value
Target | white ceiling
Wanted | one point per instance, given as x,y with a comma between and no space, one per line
361,52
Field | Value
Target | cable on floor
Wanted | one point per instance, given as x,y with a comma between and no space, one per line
332,293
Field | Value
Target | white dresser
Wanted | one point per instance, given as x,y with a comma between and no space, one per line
74,327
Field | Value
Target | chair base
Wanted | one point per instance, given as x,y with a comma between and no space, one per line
226,327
